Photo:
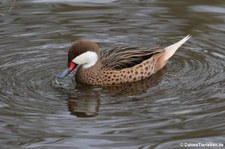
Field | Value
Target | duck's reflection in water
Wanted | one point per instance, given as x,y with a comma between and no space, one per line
84,107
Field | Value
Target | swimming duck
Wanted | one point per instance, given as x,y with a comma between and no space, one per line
116,65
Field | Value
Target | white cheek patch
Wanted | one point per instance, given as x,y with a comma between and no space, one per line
86,59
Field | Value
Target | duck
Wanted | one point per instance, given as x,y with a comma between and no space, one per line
118,65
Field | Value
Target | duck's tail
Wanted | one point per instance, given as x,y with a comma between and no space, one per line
170,50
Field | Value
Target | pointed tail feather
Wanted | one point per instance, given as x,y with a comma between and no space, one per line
170,50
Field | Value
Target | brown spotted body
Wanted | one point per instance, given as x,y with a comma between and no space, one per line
136,73
98,75
118,65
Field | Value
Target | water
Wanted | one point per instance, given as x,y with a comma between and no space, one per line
183,103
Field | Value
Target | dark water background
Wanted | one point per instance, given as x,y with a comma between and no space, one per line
183,103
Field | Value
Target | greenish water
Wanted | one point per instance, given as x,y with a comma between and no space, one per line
182,104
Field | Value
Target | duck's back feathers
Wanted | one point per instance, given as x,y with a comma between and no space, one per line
125,57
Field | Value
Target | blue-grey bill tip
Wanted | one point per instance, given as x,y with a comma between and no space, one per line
65,73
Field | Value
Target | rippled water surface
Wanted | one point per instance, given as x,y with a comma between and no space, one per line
183,103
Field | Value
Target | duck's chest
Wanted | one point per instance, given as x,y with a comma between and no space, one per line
89,76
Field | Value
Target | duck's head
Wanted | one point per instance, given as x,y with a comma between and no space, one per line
84,53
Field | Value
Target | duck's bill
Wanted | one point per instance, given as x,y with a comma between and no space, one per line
67,71
63,74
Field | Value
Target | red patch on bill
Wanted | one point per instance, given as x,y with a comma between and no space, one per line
72,66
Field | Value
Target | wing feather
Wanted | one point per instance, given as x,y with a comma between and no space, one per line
125,57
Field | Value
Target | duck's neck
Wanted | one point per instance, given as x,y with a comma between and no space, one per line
89,75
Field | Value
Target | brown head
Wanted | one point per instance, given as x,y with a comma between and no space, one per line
83,52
